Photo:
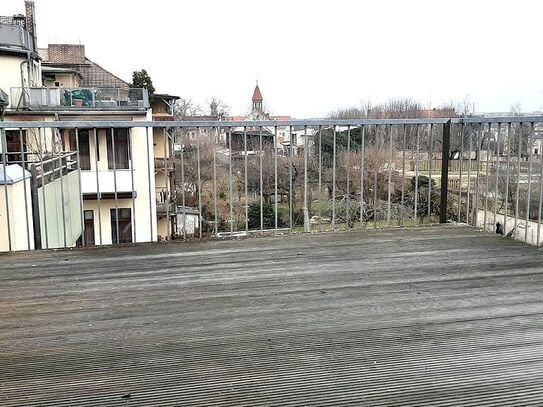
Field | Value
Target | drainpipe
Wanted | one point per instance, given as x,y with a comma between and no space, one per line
28,73
22,85
29,68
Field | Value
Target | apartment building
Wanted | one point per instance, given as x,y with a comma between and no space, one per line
115,177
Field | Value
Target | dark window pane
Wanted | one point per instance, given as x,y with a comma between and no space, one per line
120,136
14,147
89,227
125,225
84,148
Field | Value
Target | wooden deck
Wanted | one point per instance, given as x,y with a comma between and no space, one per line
432,316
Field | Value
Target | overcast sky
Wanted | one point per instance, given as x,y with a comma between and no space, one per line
312,56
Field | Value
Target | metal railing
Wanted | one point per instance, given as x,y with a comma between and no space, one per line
236,178
42,98
164,164
14,36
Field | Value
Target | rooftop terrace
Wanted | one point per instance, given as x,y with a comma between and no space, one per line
441,315
53,99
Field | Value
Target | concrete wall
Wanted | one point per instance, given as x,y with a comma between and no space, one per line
519,232
21,237
11,74
65,80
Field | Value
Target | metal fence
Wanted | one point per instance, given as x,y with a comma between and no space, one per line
56,98
149,181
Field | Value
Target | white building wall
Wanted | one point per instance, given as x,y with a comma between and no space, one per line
10,67
19,219
141,221
14,74
519,229
142,176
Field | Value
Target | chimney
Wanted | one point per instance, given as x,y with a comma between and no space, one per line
31,21
67,53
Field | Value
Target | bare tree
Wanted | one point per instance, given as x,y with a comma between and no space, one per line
185,107
218,108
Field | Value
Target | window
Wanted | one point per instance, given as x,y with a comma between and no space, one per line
88,216
124,220
120,145
14,147
84,148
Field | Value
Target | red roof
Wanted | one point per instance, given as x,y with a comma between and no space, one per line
257,95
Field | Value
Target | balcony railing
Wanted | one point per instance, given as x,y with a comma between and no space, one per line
351,174
79,99
162,164
14,37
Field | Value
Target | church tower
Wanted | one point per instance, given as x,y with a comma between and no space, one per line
257,99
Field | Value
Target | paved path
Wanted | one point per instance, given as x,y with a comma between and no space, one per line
431,316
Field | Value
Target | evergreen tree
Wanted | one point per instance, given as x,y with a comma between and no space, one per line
141,79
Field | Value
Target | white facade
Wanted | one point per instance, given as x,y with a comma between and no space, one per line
15,74
132,185
15,183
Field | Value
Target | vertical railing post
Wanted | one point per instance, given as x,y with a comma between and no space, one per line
214,136
35,206
276,202
23,164
230,182
306,211
114,162
445,154
3,143
132,188
199,177
150,176
82,211
98,197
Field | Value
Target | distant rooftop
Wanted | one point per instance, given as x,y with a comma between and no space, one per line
72,56
18,19
18,32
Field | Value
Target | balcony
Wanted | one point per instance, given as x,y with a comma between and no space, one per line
14,38
107,99
164,203
162,164
108,182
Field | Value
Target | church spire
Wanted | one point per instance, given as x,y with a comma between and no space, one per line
257,99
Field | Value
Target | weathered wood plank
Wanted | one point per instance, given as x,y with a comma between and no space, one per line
432,315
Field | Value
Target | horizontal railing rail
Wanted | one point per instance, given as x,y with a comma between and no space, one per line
269,123
223,178
40,98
